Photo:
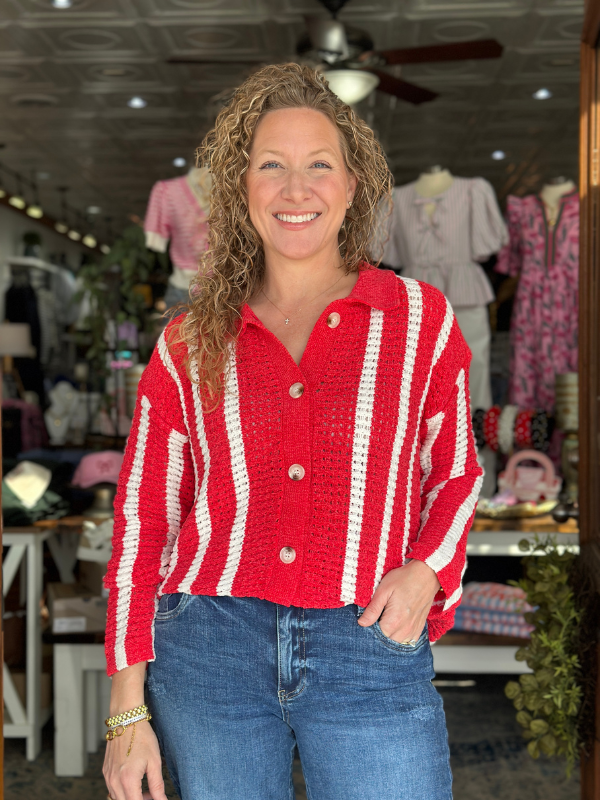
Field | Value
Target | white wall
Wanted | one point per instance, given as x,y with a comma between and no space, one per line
12,227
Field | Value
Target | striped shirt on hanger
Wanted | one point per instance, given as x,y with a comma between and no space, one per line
443,248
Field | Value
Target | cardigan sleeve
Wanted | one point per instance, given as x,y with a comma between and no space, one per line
157,225
154,496
450,474
488,230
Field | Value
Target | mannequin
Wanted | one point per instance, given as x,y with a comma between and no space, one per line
178,210
552,192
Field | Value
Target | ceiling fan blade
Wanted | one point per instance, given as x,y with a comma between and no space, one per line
403,90
457,51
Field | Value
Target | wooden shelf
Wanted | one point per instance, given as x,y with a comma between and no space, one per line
466,638
545,524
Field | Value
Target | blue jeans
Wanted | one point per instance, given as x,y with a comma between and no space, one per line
239,682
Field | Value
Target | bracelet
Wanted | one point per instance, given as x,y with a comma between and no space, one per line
119,730
506,428
478,433
523,428
119,718
542,427
490,427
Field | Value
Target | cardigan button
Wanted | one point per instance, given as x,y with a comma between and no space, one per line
296,472
296,390
287,555
333,320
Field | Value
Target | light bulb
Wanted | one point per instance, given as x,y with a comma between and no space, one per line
61,227
35,211
498,155
89,240
105,249
179,162
137,102
542,94
93,209
74,235
62,3
17,202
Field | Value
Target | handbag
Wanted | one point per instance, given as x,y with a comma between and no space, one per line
530,484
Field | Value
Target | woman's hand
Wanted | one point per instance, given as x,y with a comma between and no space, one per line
405,596
123,774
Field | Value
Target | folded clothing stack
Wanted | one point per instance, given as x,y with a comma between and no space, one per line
493,608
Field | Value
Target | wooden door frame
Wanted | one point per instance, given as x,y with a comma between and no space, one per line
589,329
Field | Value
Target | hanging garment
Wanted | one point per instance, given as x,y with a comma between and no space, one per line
444,248
544,324
176,212
22,306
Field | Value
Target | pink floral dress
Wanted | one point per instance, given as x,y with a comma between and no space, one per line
544,324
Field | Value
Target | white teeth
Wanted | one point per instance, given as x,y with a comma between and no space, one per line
292,218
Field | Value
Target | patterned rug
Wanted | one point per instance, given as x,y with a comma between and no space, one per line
489,760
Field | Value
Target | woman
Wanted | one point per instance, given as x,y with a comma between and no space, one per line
292,514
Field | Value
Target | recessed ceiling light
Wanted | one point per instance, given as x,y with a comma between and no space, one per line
498,155
179,162
74,235
89,240
137,102
42,176
93,209
105,249
61,227
542,94
62,3
35,211
17,202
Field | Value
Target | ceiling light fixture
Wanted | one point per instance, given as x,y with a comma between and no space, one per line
61,227
89,240
93,209
74,235
542,94
2,193
62,3
179,162
17,202
35,211
351,85
42,176
105,249
498,155
137,102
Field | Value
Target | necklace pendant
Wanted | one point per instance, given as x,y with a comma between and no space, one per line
286,322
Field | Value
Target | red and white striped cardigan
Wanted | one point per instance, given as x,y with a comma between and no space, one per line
207,503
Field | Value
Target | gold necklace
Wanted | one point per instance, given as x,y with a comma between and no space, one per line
285,316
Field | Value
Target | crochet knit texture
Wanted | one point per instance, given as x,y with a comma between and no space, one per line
206,501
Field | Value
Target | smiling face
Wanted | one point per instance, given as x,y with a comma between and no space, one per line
298,185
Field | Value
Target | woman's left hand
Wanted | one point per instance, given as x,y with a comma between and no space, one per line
404,595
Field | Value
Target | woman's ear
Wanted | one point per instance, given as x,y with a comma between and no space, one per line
351,187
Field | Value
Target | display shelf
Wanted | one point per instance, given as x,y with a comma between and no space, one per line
481,653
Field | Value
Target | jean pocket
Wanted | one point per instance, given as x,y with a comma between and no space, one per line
392,644
171,605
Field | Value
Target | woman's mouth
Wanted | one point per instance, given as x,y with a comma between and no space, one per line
297,219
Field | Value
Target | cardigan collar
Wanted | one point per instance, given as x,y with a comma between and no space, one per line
377,288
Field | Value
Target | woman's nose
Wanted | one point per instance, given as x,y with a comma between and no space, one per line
296,188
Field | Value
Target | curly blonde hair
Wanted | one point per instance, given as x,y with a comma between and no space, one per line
233,267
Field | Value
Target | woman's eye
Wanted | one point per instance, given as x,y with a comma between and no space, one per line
321,164
269,165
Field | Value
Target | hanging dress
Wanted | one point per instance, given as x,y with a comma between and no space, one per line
544,325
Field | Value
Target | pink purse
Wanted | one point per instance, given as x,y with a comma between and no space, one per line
530,484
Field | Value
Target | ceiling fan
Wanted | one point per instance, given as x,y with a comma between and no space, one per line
354,68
